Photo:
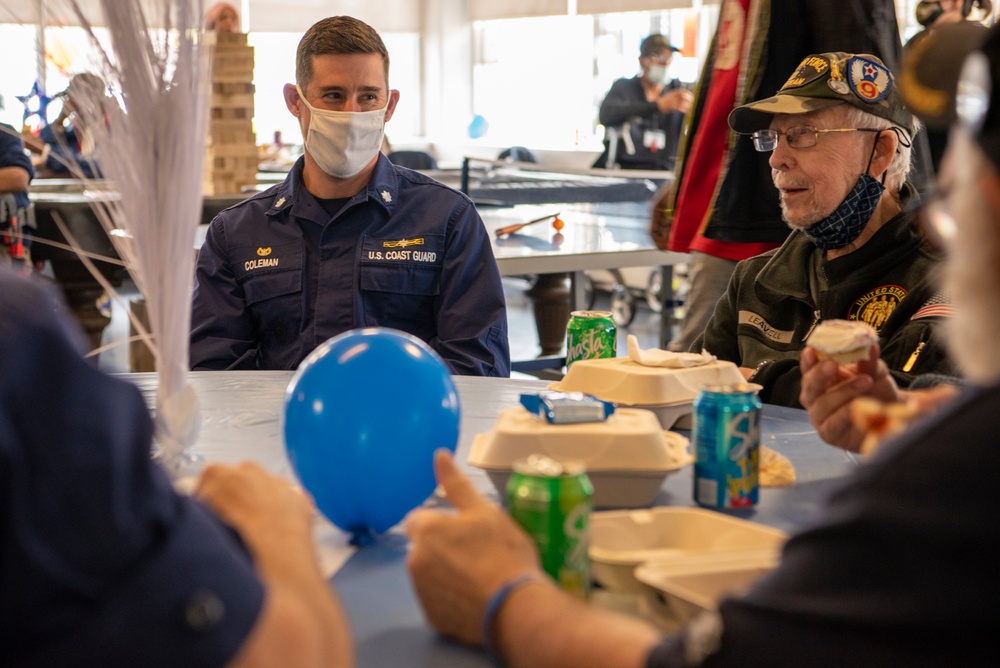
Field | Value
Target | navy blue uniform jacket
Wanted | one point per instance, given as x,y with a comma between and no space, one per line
279,275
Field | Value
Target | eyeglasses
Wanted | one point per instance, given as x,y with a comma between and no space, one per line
801,136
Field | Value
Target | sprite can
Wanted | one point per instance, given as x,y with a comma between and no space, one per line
552,502
589,335
727,446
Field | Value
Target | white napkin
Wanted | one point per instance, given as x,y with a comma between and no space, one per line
665,358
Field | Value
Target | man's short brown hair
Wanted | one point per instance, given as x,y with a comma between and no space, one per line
337,35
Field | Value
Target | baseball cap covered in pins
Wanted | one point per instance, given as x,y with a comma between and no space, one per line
825,80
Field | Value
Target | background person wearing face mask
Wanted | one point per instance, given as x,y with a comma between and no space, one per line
839,140
652,106
348,239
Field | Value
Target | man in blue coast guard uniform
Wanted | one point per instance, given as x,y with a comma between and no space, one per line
348,239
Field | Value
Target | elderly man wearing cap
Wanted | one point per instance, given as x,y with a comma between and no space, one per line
928,84
839,138
648,109
899,571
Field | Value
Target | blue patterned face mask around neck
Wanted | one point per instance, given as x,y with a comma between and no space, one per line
845,224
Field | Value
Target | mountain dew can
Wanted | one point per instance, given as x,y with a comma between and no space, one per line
726,437
589,335
552,502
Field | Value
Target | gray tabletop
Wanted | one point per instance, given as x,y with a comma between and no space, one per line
595,236
241,419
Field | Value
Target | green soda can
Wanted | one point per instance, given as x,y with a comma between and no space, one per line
590,335
552,501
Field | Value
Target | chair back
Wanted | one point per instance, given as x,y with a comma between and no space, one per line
413,159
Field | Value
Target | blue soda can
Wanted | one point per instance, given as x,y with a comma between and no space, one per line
727,446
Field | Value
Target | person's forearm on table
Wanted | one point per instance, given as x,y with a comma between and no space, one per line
540,625
302,622
291,571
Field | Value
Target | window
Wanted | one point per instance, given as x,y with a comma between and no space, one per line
547,95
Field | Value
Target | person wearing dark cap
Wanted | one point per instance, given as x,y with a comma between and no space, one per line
838,137
645,112
721,206
929,85
898,570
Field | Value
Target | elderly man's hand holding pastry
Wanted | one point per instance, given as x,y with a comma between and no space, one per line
855,406
829,388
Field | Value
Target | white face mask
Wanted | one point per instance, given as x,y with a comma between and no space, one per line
343,142
658,74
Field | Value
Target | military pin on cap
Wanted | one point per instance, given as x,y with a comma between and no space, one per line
836,82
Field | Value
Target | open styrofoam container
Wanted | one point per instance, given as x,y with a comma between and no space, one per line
622,540
669,393
683,588
627,457
669,415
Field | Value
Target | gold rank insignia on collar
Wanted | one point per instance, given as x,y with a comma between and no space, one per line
277,204
403,243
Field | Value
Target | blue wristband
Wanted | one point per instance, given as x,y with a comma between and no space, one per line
494,605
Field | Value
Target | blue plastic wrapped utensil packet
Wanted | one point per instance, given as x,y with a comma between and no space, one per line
566,407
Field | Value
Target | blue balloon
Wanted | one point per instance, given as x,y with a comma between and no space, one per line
364,414
479,126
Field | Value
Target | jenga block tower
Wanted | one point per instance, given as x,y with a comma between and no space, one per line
231,147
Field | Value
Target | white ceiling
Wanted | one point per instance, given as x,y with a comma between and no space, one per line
297,15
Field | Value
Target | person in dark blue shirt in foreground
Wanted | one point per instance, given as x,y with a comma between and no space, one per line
101,562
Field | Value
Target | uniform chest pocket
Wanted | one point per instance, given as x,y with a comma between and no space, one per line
262,287
272,280
402,279
403,266
266,272
401,297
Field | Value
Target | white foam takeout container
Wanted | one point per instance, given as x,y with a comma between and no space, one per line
679,590
669,393
626,457
622,540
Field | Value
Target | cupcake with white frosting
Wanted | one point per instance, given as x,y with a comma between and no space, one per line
843,341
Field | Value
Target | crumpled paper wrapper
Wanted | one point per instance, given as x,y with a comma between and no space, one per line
665,358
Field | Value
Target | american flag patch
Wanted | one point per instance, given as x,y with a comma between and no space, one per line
937,306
